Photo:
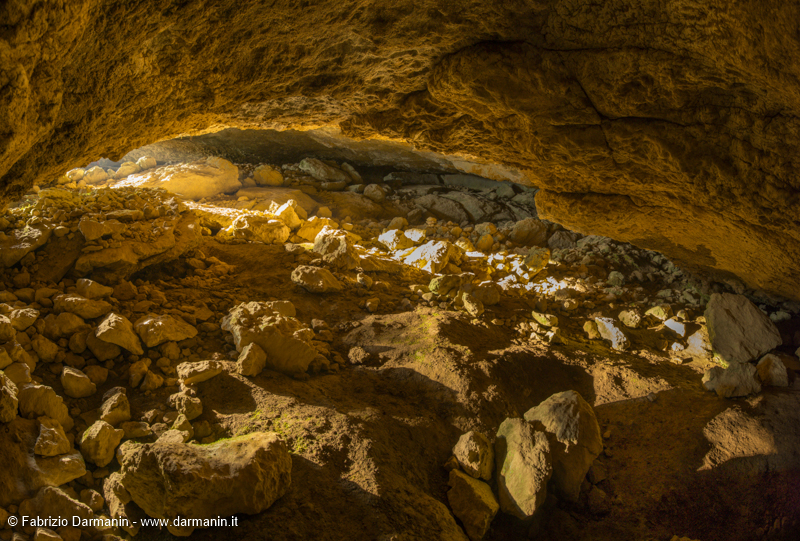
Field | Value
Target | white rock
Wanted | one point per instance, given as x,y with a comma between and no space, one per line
739,379
772,372
195,180
609,331
738,330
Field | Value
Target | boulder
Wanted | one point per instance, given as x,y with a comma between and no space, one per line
195,180
104,351
575,440
434,256
7,331
274,328
264,175
316,279
81,306
189,406
54,502
375,192
473,503
99,442
92,290
8,399
738,330
287,213
118,330
245,474
312,227
52,441
772,372
95,175
322,171
256,228
18,243
193,373
443,208
22,318
45,349
609,331
395,240
739,379
523,466
529,232
473,306
76,384
537,259
337,249
146,162
116,408
252,360
41,400
475,454
155,330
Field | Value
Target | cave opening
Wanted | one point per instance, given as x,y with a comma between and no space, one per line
433,270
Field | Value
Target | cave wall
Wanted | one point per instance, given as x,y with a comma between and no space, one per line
672,124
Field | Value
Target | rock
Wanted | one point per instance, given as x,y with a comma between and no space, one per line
74,175
189,406
374,192
336,249
322,171
562,240
26,472
485,243
127,168
575,441
395,240
99,442
274,328
81,306
8,399
252,360
46,534
486,292
433,256
443,208
739,379
104,351
95,175
116,408
116,329
772,372
155,330
22,318
264,175
287,213
146,162
76,384
630,318
523,466
537,259
312,227
316,279
738,330
473,306
51,441
256,228
41,400
442,285
609,331
529,232
475,454
195,180
7,331
16,244
548,320
472,503
615,278
92,290
54,502
44,348
245,474
198,372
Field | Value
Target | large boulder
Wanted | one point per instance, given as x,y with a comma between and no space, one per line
524,467
99,442
195,180
37,400
575,440
316,279
738,330
155,330
256,228
739,379
473,502
240,475
434,256
118,330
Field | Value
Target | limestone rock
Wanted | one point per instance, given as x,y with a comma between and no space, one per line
104,351
575,439
523,467
473,306
52,501
189,406
22,318
772,372
609,331
95,175
312,227
44,348
256,228
18,243
198,372
116,329
81,306
336,249
537,259
240,475
287,213
41,400
739,379
529,232
196,180
99,442
433,256
126,168
274,328
322,171
7,331
155,330
473,503
51,440
264,175
395,240
630,318
76,384
316,279
374,192
738,330
116,408
63,325
92,290
252,360
8,399
475,454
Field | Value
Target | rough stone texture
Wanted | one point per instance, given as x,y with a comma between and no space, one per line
575,439
772,372
524,467
196,180
738,330
241,475
627,114
473,503
99,442
155,330
739,379
475,454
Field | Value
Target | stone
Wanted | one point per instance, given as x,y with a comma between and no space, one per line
395,240
198,372
41,400
246,474
772,372
146,162
18,373
99,442
264,175
252,360
151,382
473,306
52,440
8,399
22,318
337,249
630,318
523,467
288,215
575,440
54,502
529,232
316,279
475,455
118,330
739,379
46,534
189,406
615,278
562,240
155,330
7,331
127,168
256,228
312,227
45,349
322,171
610,332
738,330
102,350
485,243
537,259
202,178
374,192
661,312
95,175
81,306
92,290
433,256
473,503
443,208
76,384
116,408
274,328
548,320
442,285
16,244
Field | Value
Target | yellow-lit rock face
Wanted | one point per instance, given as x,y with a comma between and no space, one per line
680,117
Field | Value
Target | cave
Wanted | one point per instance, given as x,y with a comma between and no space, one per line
400,270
